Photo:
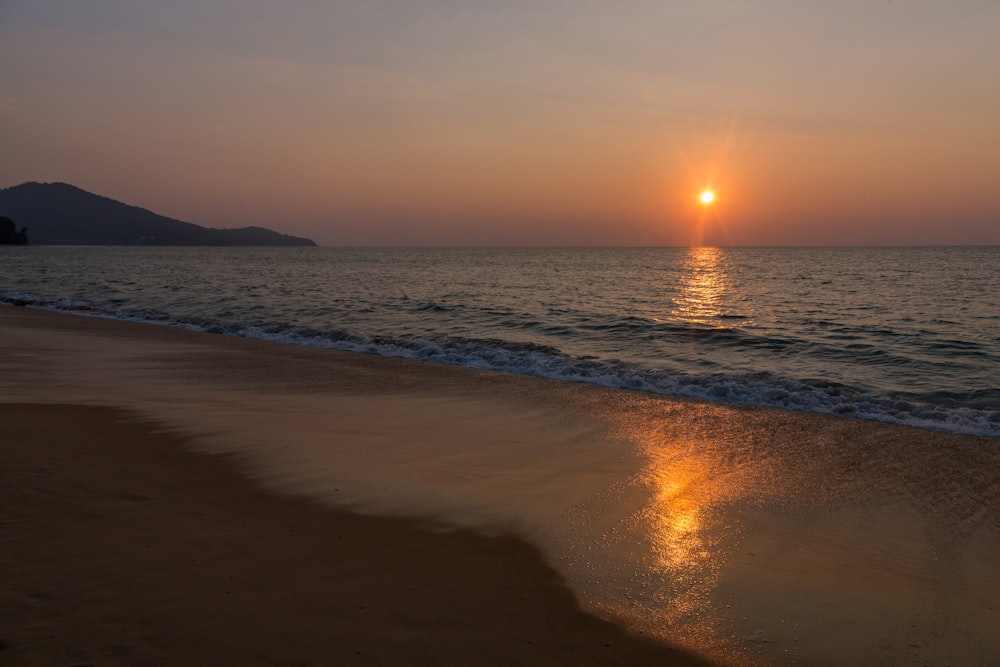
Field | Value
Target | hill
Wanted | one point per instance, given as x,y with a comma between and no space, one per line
63,214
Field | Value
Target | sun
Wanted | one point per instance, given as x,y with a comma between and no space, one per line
707,197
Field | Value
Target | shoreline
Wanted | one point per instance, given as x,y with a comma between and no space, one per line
708,526
810,399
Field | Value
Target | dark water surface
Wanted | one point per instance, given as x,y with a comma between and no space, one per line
904,335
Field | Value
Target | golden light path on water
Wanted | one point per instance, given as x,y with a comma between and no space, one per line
703,284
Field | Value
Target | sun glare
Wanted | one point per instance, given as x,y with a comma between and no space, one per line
707,197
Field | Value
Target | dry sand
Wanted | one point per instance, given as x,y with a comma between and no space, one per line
748,536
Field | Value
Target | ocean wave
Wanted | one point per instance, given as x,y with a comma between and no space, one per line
945,411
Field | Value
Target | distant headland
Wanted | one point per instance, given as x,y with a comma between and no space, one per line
63,214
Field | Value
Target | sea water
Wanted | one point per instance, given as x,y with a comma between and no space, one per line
901,335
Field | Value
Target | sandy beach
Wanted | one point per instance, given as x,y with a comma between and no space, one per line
124,547
172,497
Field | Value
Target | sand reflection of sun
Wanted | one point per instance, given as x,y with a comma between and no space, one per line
684,524
677,519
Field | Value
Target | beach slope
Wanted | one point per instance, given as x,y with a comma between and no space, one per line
123,547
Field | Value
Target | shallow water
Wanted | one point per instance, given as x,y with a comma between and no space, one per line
904,335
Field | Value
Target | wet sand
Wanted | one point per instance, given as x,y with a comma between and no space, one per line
469,513
123,547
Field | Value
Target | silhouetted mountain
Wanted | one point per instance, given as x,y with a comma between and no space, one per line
62,214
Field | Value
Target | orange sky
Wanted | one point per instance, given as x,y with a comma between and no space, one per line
518,123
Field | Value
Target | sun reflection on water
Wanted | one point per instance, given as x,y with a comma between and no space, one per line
703,287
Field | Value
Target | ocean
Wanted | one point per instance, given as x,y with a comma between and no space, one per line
903,335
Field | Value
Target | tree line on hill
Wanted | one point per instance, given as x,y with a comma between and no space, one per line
10,234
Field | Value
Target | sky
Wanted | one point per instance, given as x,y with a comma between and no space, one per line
541,122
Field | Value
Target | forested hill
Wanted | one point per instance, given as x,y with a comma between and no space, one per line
63,214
